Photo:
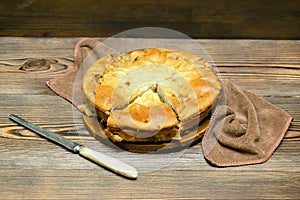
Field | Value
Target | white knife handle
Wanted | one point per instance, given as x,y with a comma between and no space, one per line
109,162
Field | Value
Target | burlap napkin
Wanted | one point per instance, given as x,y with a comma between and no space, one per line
245,129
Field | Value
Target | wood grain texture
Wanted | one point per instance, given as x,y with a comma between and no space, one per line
277,19
32,168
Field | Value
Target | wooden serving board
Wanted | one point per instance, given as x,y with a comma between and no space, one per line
187,140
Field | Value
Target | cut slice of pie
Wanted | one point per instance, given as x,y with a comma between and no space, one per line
146,118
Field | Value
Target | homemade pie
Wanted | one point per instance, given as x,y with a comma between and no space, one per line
150,95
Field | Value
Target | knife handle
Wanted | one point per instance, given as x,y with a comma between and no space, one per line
109,162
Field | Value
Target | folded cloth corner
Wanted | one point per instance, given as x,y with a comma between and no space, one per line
246,129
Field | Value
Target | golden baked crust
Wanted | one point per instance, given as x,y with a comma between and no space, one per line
150,91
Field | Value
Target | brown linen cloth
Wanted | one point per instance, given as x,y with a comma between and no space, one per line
244,130
63,85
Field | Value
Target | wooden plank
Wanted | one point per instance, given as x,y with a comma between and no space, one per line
199,19
42,109
36,173
33,168
53,186
272,71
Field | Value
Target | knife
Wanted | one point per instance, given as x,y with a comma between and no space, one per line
105,161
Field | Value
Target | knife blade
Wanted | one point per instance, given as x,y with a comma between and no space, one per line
103,160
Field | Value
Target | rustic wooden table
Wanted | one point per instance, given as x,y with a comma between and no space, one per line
32,168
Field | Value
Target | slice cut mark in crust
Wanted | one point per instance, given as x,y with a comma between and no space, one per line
171,99
147,113
146,117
